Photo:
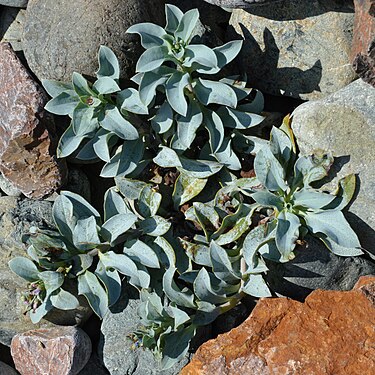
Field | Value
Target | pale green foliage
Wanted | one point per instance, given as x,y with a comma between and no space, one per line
180,224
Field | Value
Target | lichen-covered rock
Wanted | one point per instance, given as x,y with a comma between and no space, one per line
364,26
16,217
14,3
331,333
297,48
27,132
345,124
64,36
117,349
54,351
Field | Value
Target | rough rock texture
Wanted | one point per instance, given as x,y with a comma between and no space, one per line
16,217
345,124
27,134
62,36
331,333
315,267
11,27
364,26
116,347
54,351
364,64
14,3
6,370
296,48
239,3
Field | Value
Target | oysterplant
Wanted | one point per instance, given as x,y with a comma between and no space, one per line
180,224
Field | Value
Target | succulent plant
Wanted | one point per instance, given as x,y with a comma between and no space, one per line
180,224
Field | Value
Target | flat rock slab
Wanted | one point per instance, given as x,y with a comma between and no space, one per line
331,333
296,48
344,123
54,351
63,36
27,133
14,3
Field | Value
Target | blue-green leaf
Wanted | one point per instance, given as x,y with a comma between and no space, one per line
175,92
52,280
90,287
173,17
148,85
149,201
151,34
111,281
141,253
152,58
213,92
215,129
186,188
55,88
155,226
24,268
287,233
85,234
106,85
187,25
114,122
256,286
113,204
200,56
238,119
63,104
64,300
227,52
83,122
108,64
163,120
80,85
116,226
311,198
130,101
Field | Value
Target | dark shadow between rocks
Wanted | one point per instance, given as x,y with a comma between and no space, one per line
286,10
291,81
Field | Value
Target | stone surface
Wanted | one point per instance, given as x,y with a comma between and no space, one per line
116,347
364,64
331,333
62,36
54,351
16,217
296,48
244,4
345,124
8,187
7,370
14,3
11,27
27,134
94,366
364,26
315,267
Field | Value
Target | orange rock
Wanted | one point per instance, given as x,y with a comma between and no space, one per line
331,333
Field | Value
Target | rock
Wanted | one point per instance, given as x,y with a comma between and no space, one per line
239,3
54,351
27,134
14,3
364,26
16,217
7,370
94,367
364,64
315,267
295,48
55,49
116,347
331,333
8,188
77,182
345,124
11,28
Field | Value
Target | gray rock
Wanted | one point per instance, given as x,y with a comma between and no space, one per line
14,3
63,36
8,187
345,124
7,370
315,267
94,367
16,217
296,48
11,27
116,347
244,4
